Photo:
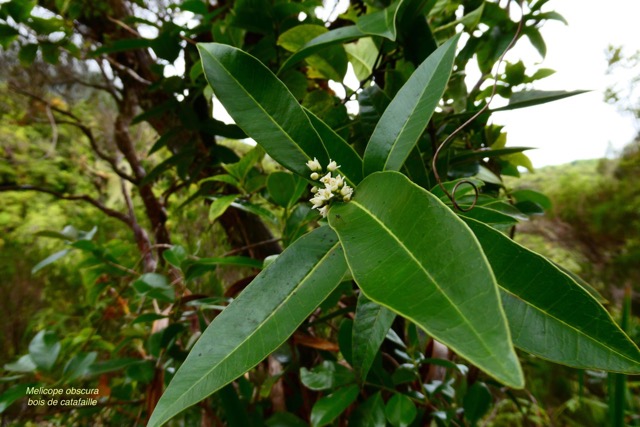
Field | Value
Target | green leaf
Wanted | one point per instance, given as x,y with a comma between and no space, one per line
489,216
470,20
527,195
410,253
333,37
197,268
369,414
326,376
262,106
12,394
552,15
148,318
407,116
258,321
123,45
112,365
476,402
552,316
285,419
339,150
362,55
400,410
28,54
464,187
331,63
370,326
44,349
175,255
227,179
241,168
7,35
243,205
330,407
481,154
155,286
220,205
20,9
49,260
23,364
536,39
79,365
284,188
381,23
530,98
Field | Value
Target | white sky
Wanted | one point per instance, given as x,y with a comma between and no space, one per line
584,126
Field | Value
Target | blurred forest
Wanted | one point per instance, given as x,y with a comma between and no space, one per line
121,198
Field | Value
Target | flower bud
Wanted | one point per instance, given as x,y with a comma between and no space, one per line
314,165
332,166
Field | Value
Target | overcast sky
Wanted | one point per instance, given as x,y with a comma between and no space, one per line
584,126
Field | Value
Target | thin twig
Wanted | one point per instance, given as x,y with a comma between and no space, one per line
101,154
470,120
83,128
251,246
83,197
125,26
129,71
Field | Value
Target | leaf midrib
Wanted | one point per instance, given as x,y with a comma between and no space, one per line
266,113
428,275
271,315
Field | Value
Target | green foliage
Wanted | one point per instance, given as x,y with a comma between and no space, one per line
211,291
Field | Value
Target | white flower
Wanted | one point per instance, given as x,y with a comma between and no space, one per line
332,166
324,193
346,198
335,184
346,191
314,165
323,211
325,179
314,190
317,201
315,176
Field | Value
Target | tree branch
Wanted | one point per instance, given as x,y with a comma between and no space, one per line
101,154
83,197
83,128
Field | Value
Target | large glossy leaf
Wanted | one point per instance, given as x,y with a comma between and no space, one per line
410,253
370,326
407,116
262,106
263,316
551,315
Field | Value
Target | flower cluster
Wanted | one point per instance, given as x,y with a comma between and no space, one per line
335,188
